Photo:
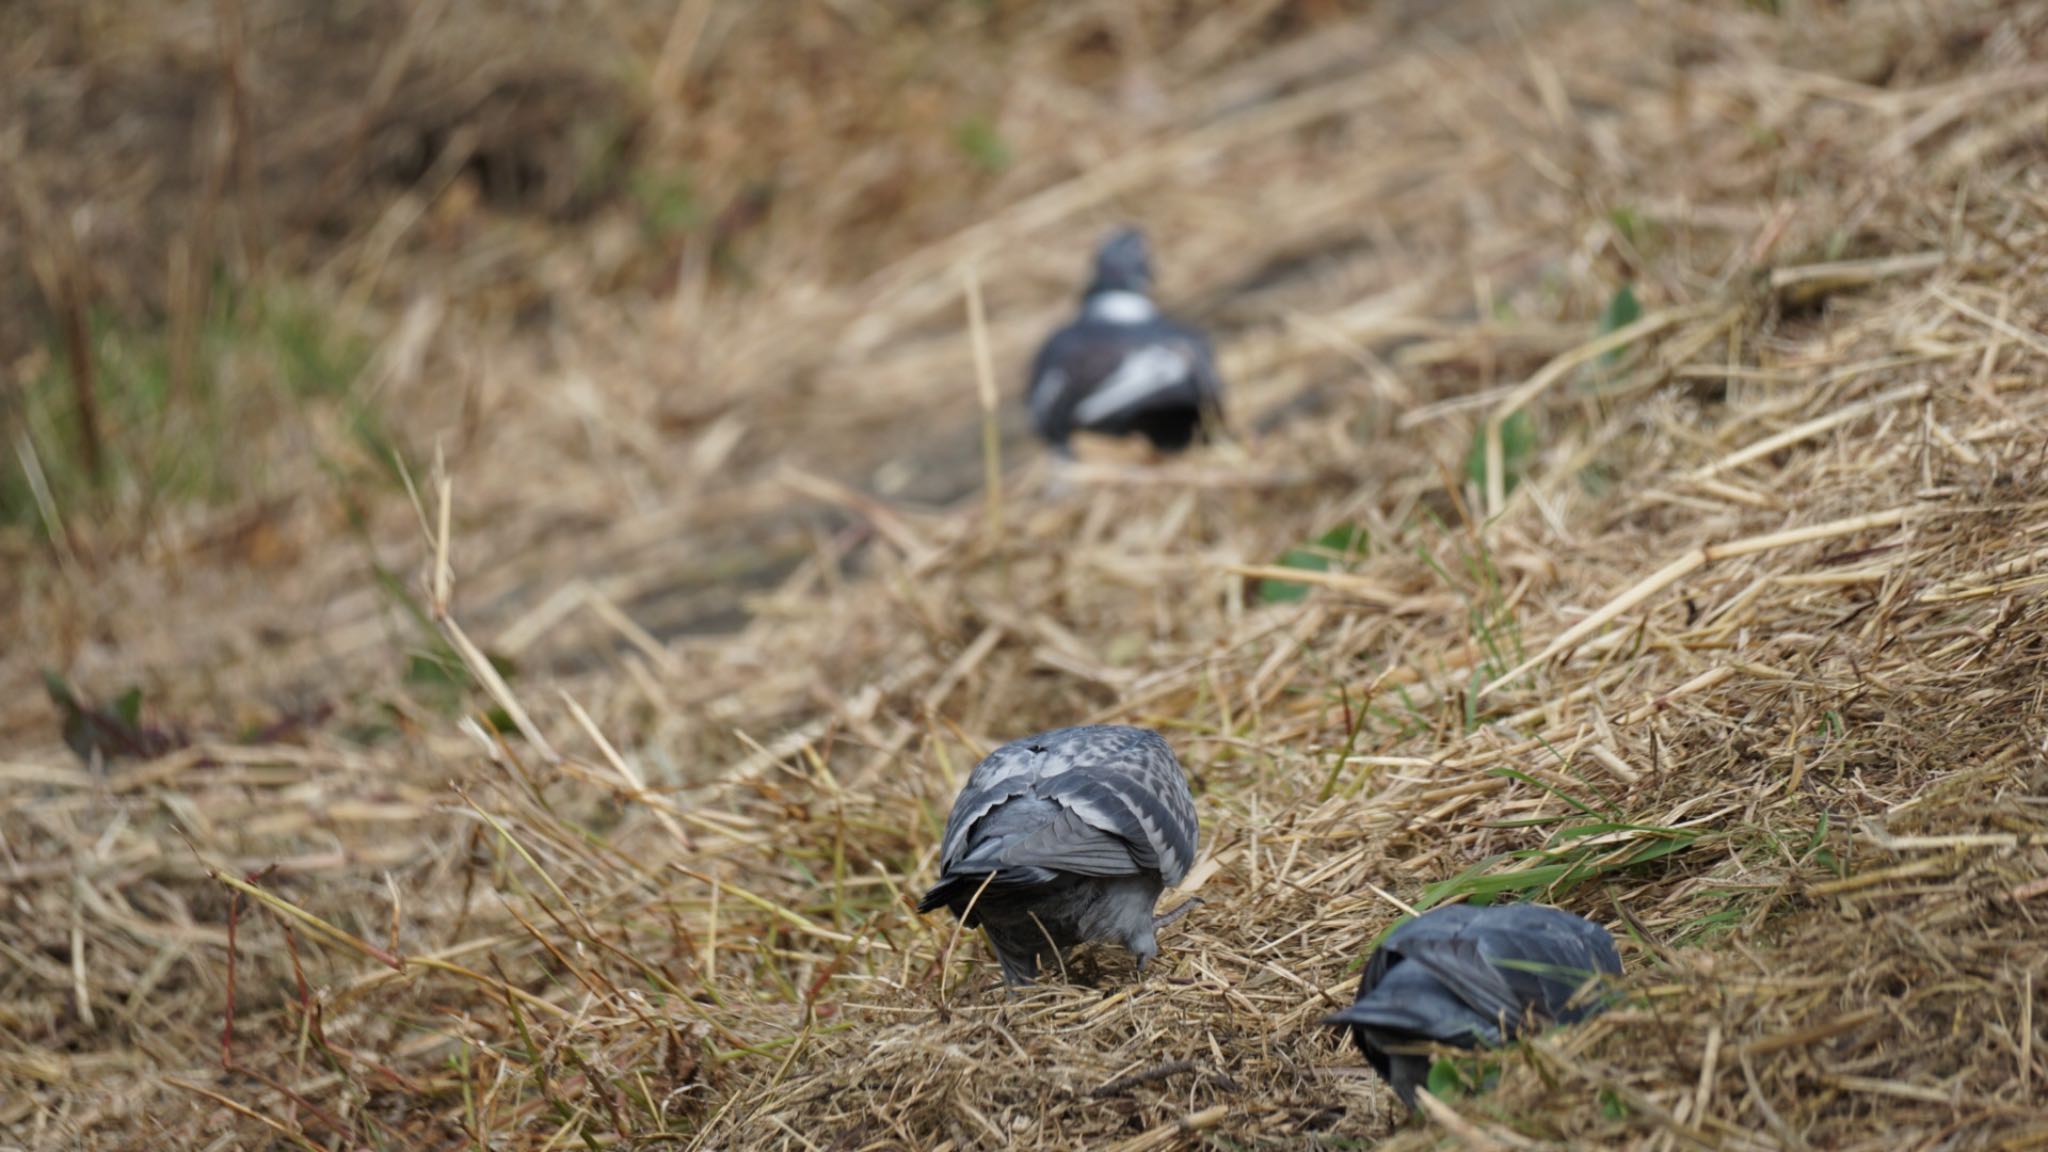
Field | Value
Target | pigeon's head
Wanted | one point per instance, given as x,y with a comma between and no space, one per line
1123,264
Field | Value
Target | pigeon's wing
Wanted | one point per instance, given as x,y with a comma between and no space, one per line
1100,800
1457,964
1127,783
1151,374
1095,375
1436,923
1593,944
1502,962
1000,778
1052,375
1422,937
1013,771
1072,366
1548,955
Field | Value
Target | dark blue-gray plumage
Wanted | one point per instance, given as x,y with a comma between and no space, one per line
1065,837
1471,977
1120,368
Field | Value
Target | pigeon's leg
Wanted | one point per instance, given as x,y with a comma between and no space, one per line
1186,907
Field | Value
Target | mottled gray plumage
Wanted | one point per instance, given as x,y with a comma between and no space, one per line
1065,837
1471,977
1120,368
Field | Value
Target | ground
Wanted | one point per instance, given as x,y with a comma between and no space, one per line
531,464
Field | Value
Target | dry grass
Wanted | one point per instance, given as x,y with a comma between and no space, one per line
1723,626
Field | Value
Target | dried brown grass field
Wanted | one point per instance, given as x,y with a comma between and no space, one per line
568,783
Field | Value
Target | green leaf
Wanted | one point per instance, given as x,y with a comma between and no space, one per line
1611,1105
977,137
1584,808
1622,310
1476,883
109,731
430,669
501,722
1343,542
1627,224
60,692
1345,539
128,706
1445,1082
1655,850
668,206
1603,827
1517,446
1307,562
1452,1077
1820,835
1282,591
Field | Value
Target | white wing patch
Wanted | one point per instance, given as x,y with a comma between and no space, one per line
1120,308
1045,391
1144,373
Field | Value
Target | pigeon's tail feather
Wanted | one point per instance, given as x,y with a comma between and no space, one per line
1141,810
1413,1003
1033,832
1070,844
957,889
1382,1017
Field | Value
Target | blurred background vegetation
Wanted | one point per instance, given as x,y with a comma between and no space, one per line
214,210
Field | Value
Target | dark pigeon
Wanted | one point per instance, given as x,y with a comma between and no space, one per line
1121,368
1471,977
1065,837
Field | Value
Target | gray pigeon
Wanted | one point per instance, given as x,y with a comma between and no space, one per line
1122,369
1064,837
1471,977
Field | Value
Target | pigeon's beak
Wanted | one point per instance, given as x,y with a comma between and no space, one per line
1341,1019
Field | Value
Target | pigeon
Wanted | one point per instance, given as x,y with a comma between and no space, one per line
1065,837
1122,369
1470,977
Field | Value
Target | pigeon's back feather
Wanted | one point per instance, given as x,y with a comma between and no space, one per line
1123,782
1120,368
1468,976
1115,379
1067,836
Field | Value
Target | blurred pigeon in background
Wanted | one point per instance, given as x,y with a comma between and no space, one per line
1122,369
1471,977
1065,837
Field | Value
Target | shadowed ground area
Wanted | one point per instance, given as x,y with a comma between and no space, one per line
502,585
